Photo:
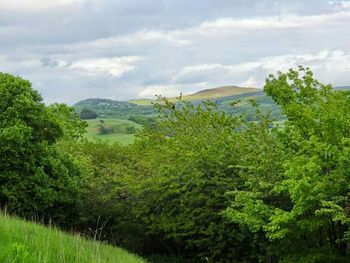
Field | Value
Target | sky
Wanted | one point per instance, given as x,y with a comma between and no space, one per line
123,49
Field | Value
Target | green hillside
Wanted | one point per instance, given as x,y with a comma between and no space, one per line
142,102
24,242
107,108
219,92
204,94
116,130
125,110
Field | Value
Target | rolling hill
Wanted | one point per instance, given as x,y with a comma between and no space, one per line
106,108
204,94
27,242
219,92
142,110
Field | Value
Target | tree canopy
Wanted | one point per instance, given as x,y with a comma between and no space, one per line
35,177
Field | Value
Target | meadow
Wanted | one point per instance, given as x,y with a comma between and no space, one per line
118,130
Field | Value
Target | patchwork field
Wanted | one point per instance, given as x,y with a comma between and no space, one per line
114,130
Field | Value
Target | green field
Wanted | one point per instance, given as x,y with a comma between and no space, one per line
24,242
142,102
118,132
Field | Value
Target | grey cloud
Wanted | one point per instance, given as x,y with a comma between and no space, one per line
73,53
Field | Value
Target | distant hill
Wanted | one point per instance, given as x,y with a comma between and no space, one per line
204,94
224,96
219,92
124,109
112,108
342,88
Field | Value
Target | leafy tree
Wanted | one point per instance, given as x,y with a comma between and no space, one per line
130,130
36,179
190,157
87,114
301,203
107,202
72,126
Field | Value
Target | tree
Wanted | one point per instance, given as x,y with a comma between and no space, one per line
36,179
87,114
130,130
190,157
301,202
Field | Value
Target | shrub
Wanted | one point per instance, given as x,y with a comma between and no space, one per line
87,114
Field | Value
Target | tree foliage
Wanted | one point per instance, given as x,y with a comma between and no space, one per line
303,211
87,114
198,182
36,179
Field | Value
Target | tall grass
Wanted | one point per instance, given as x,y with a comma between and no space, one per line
25,242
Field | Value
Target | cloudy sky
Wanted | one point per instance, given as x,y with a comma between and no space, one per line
122,49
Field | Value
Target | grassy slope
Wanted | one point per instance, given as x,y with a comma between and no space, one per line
204,94
23,242
219,92
119,126
142,102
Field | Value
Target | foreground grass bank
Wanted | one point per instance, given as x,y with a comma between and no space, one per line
31,243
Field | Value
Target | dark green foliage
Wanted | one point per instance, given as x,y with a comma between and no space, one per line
130,130
190,159
87,114
103,129
36,179
113,109
143,120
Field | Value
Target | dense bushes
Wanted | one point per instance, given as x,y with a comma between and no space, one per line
199,183
220,189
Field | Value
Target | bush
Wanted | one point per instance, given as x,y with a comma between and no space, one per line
87,114
130,130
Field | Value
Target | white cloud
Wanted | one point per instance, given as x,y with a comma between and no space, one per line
38,5
335,60
115,66
172,90
137,38
250,82
340,3
223,27
164,90
329,66
323,59
275,22
73,44
237,68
